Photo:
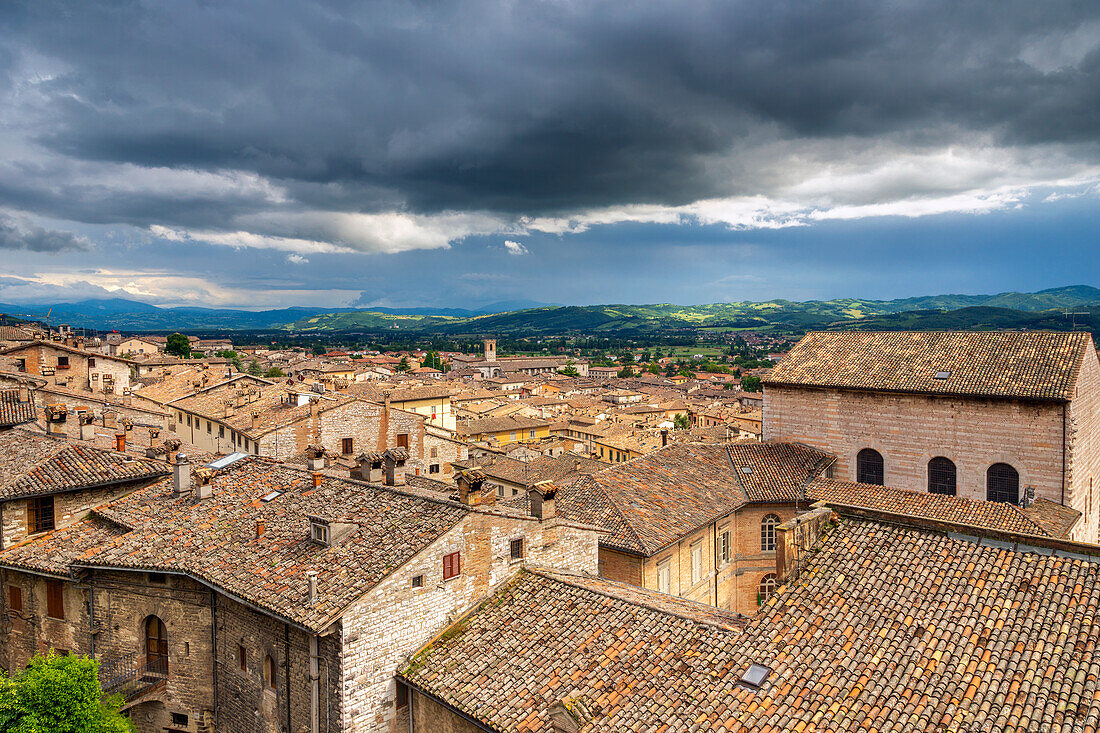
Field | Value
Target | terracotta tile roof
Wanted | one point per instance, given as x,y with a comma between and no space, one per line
13,411
32,464
560,470
617,649
649,502
501,424
1055,519
1030,365
890,629
954,509
215,539
776,472
274,406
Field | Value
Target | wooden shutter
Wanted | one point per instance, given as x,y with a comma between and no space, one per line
55,599
15,598
452,565
402,440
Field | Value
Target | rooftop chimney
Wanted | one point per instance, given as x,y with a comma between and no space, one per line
181,475
120,442
255,420
311,577
664,438
316,477
315,457
204,489
393,461
260,528
470,487
542,496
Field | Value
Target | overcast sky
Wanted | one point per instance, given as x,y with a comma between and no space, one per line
264,154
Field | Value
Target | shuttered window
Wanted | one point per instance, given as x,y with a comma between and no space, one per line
15,598
55,599
346,446
452,565
402,440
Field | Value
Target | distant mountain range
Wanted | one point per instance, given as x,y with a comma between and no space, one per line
1043,309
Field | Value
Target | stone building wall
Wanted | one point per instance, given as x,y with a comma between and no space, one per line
31,630
395,618
246,703
68,507
122,603
428,716
1083,440
910,430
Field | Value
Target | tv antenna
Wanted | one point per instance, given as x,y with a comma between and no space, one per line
1073,315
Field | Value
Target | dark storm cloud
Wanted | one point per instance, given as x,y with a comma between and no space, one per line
18,235
529,108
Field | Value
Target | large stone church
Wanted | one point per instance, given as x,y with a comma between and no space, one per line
997,416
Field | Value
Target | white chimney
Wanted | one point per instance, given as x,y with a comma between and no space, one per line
181,475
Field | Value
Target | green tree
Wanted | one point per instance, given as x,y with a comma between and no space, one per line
682,421
432,361
654,368
569,371
254,368
626,371
178,345
749,383
274,372
58,694
403,365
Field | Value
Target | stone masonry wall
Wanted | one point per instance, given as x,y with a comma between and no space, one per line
1083,438
910,430
395,619
122,602
68,508
31,631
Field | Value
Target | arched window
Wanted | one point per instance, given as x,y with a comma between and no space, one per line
767,589
869,468
269,672
1002,483
767,533
156,646
941,476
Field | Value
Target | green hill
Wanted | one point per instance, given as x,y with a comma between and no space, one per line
1003,310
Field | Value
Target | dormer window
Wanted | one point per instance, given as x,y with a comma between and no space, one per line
318,532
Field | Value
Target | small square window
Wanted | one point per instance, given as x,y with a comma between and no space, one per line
319,533
517,548
418,581
347,446
434,468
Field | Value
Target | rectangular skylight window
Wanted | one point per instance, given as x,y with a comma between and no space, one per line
227,460
755,676
943,374
746,469
271,495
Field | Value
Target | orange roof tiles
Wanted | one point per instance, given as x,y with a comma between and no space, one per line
1026,365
